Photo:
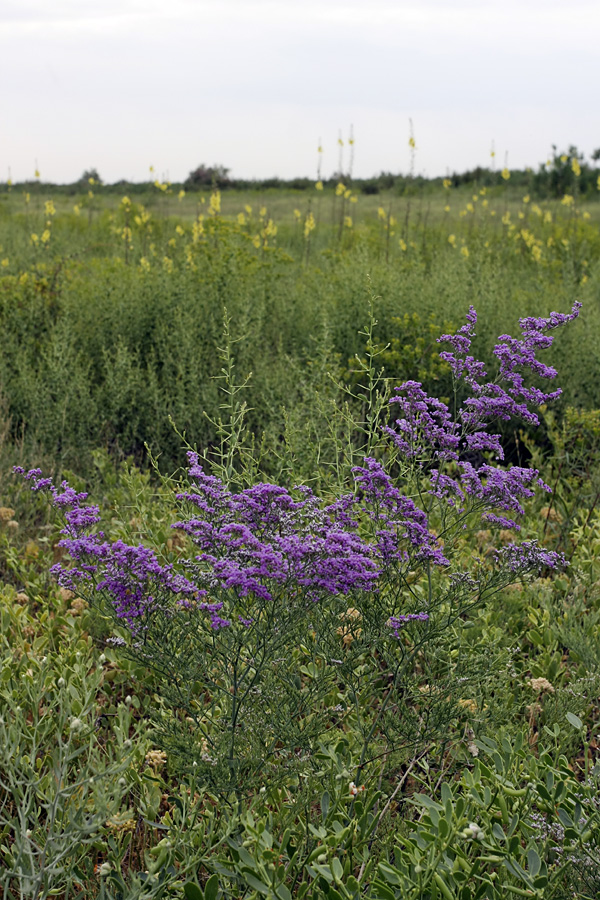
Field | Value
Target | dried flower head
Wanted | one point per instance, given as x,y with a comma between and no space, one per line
541,685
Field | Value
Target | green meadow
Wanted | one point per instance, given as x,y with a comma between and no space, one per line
266,328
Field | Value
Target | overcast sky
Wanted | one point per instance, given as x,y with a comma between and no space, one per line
253,85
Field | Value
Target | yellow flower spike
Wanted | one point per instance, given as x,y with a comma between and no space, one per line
567,200
151,170
465,252
340,142
526,198
586,215
470,207
483,192
403,245
452,240
412,143
167,264
485,203
256,241
34,238
5,263
521,214
447,208
347,194
309,225
49,207
536,252
475,198
125,201
392,221
547,217
179,230
214,206
382,213
462,213
564,158
248,209
37,173
319,149
172,242
506,218
181,195
45,236
340,189
297,214
91,195
91,181
446,183
319,186
27,197
262,212
505,173
353,199
76,209
241,219
348,221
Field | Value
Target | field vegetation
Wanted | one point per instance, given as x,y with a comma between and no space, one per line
297,600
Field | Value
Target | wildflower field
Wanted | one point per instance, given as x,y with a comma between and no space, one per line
299,530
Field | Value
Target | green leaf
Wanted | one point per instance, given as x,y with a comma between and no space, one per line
211,888
574,720
256,883
337,869
192,891
534,862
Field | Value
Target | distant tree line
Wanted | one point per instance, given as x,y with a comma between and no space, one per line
565,172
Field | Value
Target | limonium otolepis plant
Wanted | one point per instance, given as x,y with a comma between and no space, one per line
290,618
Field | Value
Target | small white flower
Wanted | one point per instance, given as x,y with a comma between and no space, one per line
105,869
102,658
128,700
76,725
61,682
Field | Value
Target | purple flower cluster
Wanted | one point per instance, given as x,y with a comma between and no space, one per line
426,428
262,541
397,623
528,557
489,487
401,528
427,432
132,576
494,400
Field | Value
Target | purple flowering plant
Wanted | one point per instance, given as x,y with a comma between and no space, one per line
282,602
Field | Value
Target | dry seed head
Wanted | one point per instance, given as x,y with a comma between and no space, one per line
541,685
